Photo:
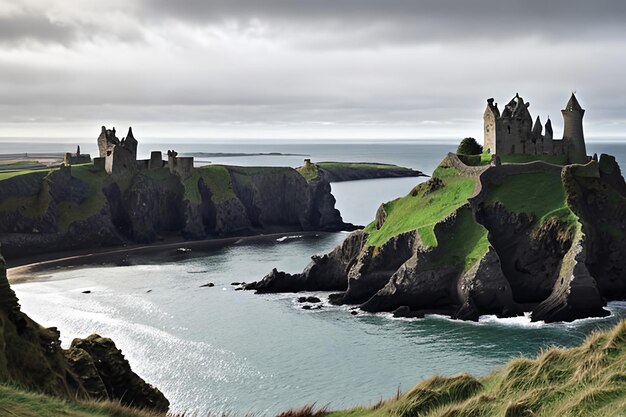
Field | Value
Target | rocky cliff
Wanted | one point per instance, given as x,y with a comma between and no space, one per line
498,240
31,357
83,207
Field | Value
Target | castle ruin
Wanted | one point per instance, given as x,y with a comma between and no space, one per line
119,157
513,131
76,158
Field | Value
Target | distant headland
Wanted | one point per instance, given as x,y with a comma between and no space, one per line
116,199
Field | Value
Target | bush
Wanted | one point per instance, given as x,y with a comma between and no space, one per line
469,146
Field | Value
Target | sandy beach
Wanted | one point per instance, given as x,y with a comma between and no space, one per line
36,267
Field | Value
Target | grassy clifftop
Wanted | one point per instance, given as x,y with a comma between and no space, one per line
17,402
423,207
589,380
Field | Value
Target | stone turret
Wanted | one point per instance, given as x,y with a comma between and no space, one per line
106,141
537,129
120,156
549,132
491,115
130,143
573,137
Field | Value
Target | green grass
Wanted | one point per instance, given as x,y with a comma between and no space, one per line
539,194
5,175
589,380
465,244
15,402
217,179
309,171
522,159
476,160
357,165
421,210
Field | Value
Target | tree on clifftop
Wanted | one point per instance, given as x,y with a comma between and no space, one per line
469,146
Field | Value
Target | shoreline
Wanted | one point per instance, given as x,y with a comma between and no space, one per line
31,268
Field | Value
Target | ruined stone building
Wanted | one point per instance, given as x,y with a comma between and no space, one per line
76,158
513,131
119,157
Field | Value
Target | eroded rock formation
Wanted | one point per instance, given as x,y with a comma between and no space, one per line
83,207
561,266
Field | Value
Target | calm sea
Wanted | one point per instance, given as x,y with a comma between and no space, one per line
217,349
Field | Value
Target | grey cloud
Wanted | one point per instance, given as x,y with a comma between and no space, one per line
33,28
410,20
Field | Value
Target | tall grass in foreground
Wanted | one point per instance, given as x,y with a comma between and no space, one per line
589,380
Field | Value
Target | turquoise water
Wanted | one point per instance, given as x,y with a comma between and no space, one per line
219,349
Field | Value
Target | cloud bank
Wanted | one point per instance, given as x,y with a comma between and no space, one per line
304,69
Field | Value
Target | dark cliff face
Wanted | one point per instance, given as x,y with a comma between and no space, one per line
560,267
31,356
84,207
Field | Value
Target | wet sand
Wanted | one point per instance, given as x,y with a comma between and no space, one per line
36,267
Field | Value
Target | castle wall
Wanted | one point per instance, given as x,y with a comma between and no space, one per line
73,159
512,135
183,167
99,163
156,160
120,162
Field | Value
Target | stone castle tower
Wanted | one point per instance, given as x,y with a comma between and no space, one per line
513,131
573,131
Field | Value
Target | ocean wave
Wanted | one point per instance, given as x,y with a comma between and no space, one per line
292,237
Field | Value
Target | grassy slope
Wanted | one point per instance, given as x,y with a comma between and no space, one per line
539,194
589,380
420,210
16,402
309,172
464,244
216,178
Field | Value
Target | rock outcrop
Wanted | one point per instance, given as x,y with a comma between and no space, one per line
83,207
503,252
32,357
105,373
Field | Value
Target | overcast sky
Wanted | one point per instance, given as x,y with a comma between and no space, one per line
305,68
